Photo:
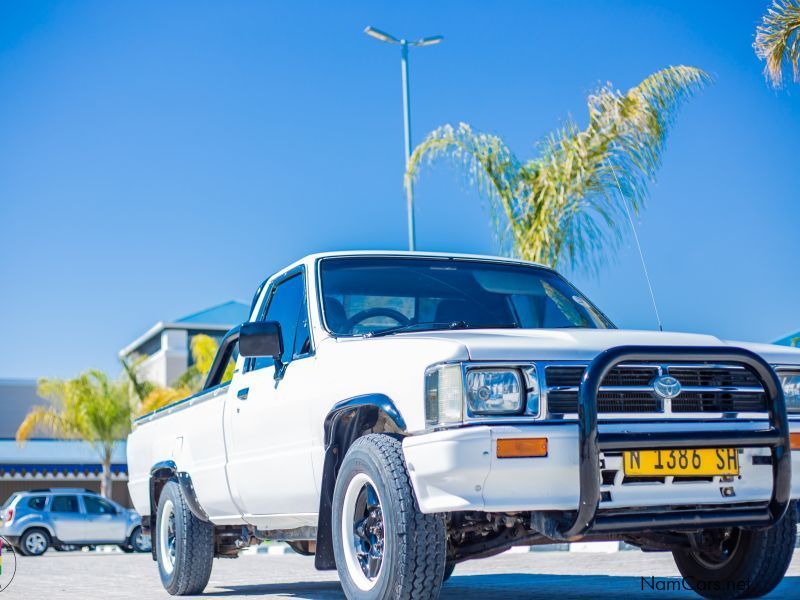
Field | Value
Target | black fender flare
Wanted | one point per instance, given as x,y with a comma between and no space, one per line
160,474
347,421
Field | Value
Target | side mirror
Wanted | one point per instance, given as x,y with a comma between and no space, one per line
260,339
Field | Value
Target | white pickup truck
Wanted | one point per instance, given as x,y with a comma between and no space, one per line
395,414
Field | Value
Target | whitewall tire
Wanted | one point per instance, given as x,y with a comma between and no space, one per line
385,548
184,544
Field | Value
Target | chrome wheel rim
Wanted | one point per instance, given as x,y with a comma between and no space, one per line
166,537
140,541
36,543
363,531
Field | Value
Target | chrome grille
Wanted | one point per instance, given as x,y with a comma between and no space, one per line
628,389
714,377
570,376
607,402
719,402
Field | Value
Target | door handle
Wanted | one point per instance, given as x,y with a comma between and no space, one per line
242,393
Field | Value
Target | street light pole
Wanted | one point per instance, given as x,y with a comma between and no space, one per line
412,236
404,45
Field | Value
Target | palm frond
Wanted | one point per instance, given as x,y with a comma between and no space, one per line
576,177
486,161
778,40
131,368
91,407
44,419
204,350
107,406
191,379
563,205
161,397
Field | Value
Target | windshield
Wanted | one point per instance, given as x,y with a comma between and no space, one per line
366,295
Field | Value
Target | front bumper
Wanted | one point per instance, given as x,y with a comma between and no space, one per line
457,469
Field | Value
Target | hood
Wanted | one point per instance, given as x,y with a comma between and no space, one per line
772,353
585,344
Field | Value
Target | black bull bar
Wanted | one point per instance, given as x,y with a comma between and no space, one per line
591,442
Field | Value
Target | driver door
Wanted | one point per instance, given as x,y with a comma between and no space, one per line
269,444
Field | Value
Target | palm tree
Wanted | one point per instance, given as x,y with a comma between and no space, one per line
778,40
150,396
160,397
204,350
561,207
90,407
131,369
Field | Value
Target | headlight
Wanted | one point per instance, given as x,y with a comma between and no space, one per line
791,390
486,391
494,391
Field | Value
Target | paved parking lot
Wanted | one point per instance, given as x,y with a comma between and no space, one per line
565,575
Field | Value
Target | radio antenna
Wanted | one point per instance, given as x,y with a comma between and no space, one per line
638,245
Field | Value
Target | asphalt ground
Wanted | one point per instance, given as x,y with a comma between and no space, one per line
547,575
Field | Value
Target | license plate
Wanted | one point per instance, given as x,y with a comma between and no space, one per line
682,462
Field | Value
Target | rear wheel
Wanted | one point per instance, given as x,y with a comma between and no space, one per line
739,563
139,542
34,542
385,548
184,544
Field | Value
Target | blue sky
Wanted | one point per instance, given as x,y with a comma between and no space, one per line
158,158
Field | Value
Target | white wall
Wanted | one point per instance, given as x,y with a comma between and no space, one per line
171,361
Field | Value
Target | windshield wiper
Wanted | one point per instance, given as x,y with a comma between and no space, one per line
434,325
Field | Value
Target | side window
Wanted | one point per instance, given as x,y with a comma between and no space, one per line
37,502
64,504
287,305
97,506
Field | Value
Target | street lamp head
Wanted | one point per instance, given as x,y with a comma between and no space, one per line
381,35
429,41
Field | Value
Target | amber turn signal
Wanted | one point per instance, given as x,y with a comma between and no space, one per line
794,441
521,447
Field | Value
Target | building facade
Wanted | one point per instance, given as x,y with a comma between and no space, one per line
45,462
166,346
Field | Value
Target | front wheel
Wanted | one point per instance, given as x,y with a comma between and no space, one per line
184,544
34,542
384,546
739,563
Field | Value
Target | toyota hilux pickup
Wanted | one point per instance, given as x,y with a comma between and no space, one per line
394,414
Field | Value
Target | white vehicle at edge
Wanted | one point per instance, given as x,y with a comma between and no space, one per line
396,413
